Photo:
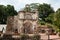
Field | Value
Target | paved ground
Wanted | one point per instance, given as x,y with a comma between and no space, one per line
45,37
55,37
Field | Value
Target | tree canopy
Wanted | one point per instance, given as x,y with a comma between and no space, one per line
54,19
45,10
6,11
57,19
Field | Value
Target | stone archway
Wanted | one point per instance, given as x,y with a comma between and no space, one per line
27,28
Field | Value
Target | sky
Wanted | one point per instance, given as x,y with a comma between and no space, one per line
19,4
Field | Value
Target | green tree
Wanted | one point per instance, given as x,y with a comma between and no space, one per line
24,37
6,11
45,10
50,18
36,37
2,14
57,19
10,10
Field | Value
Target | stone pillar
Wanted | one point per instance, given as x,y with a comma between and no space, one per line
10,22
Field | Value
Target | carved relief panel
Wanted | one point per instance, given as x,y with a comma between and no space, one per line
28,16
21,15
27,28
34,16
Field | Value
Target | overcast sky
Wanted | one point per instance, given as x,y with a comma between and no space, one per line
19,4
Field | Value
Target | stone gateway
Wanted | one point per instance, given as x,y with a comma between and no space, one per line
24,22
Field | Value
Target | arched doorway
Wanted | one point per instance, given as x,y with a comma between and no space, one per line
27,28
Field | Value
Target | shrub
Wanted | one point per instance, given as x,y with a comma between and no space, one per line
36,37
42,23
24,37
7,37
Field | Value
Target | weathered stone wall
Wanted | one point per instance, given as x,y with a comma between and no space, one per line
20,26
15,27
16,23
10,24
31,17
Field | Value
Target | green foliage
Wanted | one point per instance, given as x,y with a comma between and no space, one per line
2,13
6,11
54,18
50,18
10,10
7,36
57,19
49,26
42,23
24,37
36,37
45,10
